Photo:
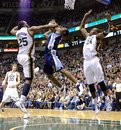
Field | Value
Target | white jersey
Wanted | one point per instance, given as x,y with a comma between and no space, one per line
89,48
12,78
25,41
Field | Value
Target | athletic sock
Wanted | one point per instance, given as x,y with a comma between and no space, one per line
22,98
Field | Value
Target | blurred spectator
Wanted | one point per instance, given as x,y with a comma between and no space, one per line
44,94
117,86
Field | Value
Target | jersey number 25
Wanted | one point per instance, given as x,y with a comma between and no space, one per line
23,42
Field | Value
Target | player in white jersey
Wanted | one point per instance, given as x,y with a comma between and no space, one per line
92,67
25,38
12,80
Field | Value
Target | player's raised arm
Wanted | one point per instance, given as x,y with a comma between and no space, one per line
105,33
82,29
46,34
35,29
14,30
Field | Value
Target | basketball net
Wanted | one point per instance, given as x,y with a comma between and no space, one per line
69,4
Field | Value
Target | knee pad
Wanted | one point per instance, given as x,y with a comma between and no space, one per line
103,86
92,88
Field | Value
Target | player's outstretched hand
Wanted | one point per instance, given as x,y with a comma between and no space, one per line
108,16
88,13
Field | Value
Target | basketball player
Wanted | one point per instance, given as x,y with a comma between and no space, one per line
52,62
25,38
12,79
92,67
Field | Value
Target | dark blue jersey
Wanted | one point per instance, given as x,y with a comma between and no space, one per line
52,62
52,42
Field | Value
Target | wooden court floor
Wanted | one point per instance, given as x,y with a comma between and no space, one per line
12,119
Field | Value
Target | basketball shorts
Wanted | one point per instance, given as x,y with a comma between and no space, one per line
93,71
10,93
52,63
27,63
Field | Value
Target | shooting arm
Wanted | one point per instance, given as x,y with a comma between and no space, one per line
14,30
83,22
82,29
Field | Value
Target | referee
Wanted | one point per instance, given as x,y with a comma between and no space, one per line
117,86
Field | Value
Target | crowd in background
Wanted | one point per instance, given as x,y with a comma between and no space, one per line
66,18
44,94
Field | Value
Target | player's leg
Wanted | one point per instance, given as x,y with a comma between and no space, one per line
59,67
6,98
26,88
68,75
50,67
28,69
54,80
89,74
49,70
15,97
71,77
100,79
1,106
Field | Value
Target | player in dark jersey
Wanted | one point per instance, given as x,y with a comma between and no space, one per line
52,62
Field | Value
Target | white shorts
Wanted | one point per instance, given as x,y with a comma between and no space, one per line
93,71
27,64
10,93
58,64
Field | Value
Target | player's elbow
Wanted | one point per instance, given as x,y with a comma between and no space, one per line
11,32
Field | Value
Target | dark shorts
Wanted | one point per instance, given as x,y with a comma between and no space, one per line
52,64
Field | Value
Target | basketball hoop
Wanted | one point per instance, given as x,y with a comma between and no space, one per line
69,4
